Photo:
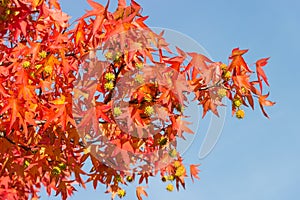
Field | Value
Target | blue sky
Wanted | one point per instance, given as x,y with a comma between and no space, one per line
255,158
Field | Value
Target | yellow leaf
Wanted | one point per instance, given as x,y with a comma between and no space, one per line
87,150
60,101
36,3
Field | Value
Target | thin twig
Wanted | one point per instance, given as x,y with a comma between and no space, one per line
212,86
109,96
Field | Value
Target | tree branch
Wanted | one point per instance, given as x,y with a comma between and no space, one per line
3,135
212,86
109,96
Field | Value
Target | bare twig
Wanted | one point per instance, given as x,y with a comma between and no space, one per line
212,86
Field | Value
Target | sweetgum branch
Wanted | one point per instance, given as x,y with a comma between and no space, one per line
26,148
221,81
109,96
3,135
71,54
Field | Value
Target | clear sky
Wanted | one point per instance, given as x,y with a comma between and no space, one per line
256,158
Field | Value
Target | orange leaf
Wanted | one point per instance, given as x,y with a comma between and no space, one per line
260,72
59,101
79,32
23,27
15,107
127,147
238,63
199,64
95,5
141,191
121,3
183,127
101,110
237,52
263,102
194,171
36,3
54,3
3,91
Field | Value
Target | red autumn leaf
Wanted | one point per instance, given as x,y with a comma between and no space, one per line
181,181
140,22
23,25
250,100
136,116
3,91
101,110
260,72
15,108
